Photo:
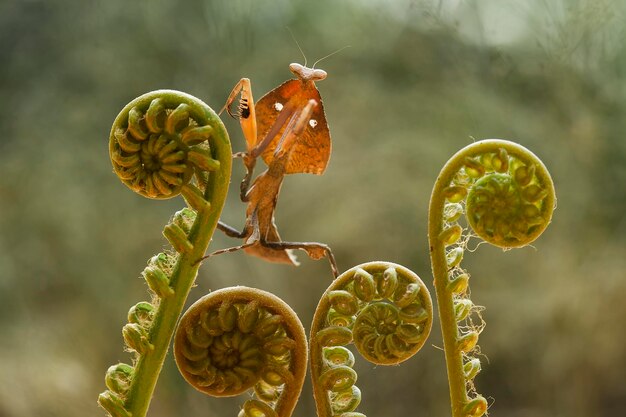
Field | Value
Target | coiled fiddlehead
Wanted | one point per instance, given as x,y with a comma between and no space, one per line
159,141
162,144
508,197
239,338
385,309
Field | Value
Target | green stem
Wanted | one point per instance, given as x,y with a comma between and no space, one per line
445,306
447,318
149,366
159,142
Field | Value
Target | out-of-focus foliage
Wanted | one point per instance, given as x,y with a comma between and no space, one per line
420,81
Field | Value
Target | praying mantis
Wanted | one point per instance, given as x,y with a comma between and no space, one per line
288,129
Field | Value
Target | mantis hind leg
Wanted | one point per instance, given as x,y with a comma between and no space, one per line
231,231
252,237
227,250
314,250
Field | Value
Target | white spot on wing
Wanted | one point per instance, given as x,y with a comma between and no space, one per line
313,122
278,106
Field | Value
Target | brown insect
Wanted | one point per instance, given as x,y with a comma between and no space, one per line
288,129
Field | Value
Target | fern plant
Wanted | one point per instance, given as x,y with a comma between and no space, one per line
233,340
163,144
507,196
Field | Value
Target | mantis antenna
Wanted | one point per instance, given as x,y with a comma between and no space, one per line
331,54
298,45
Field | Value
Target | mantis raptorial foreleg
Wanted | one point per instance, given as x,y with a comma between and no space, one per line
247,120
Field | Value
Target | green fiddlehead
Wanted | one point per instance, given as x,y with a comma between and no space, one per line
385,310
163,144
161,139
239,338
507,197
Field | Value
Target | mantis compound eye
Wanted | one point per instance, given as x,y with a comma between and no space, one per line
319,74
297,69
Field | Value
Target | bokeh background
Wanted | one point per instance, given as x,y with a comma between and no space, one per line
420,80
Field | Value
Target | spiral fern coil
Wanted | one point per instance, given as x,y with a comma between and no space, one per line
508,197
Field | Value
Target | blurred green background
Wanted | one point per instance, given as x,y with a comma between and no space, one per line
421,80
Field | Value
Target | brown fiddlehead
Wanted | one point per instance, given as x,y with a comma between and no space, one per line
238,338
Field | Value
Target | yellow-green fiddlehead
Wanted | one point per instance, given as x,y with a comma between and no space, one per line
163,144
160,140
507,197
385,310
239,338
